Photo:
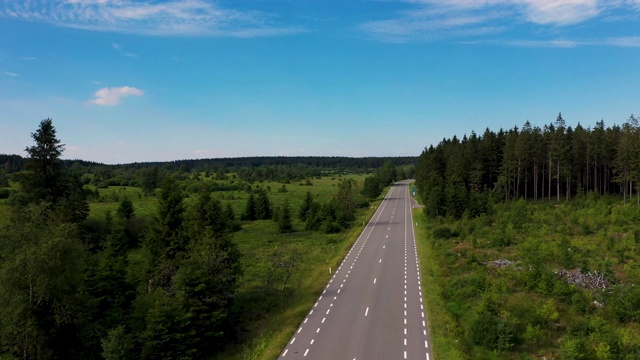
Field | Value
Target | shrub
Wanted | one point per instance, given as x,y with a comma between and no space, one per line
331,227
491,332
443,232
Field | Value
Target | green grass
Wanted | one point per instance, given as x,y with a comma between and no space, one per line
110,199
444,331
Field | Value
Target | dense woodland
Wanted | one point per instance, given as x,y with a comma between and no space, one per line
533,242
165,285
553,162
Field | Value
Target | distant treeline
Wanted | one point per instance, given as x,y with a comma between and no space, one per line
555,161
249,169
13,163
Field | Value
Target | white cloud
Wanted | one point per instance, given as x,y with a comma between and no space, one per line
560,12
475,19
9,73
112,95
29,58
147,17
629,41
556,12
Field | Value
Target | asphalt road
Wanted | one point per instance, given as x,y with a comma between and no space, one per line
372,308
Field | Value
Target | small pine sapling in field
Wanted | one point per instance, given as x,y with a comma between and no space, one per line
284,221
125,209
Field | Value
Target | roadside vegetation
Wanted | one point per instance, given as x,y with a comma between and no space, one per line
531,240
198,259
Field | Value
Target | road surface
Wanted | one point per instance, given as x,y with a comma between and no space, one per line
372,308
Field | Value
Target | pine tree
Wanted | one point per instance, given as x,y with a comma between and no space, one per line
284,220
263,206
44,179
250,209
125,209
305,208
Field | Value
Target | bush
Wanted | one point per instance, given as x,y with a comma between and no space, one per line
331,227
444,233
624,302
491,332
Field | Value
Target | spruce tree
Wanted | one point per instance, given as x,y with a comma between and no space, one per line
305,208
44,179
125,209
250,209
284,220
263,206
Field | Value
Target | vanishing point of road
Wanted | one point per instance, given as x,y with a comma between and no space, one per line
372,308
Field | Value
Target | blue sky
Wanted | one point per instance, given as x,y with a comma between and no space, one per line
149,80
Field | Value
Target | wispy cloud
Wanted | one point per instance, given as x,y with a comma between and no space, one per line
9,73
111,96
146,17
29,58
475,20
119,49
632,41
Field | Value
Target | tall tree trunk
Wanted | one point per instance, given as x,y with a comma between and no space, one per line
595,177
526,186
535,182
558,181
549,179
568,187
518,181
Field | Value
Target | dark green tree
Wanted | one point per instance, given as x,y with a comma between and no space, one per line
263,206
167,240
347,201
41,285
108,283
372,186
125,209
387,173
44,179
207,215
231,216
4,182
250,209
150,179
73,207
305,208
205,288
284,219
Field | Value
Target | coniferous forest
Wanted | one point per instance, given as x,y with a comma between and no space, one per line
531,242
553,162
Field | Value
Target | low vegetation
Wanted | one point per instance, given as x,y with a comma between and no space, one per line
526,306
